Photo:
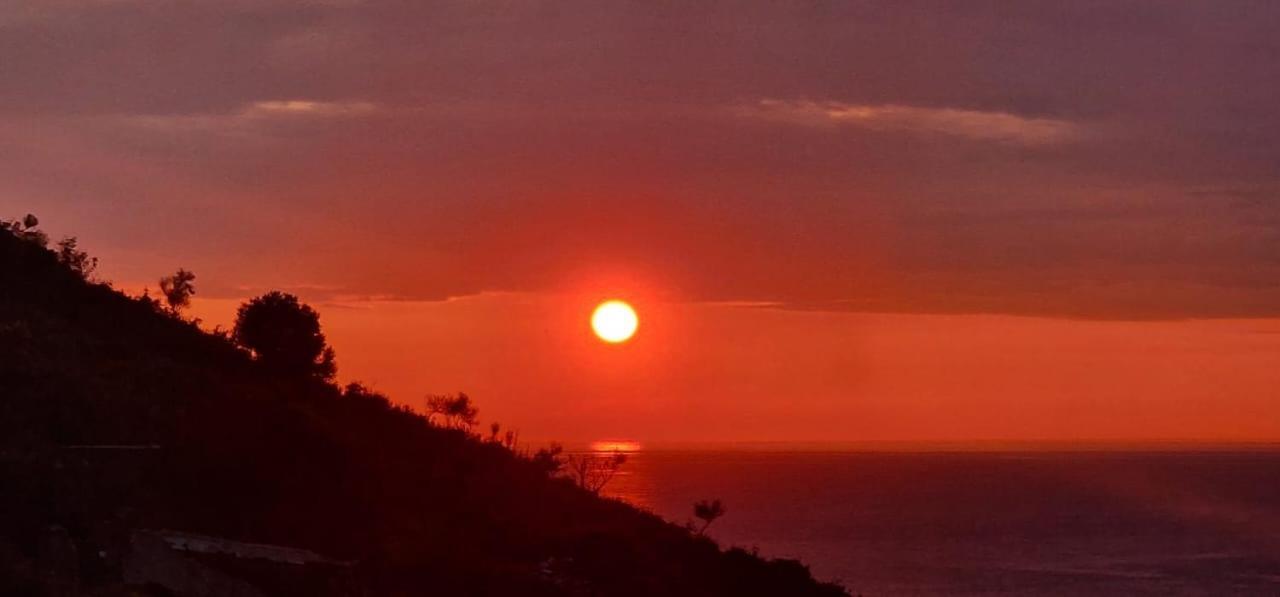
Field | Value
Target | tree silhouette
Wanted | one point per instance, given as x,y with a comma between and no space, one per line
708,511
284,335
456,412
593,471
178,289
70,255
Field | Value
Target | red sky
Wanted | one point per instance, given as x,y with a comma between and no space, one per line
839,221
699,372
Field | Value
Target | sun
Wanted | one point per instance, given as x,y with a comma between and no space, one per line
614,321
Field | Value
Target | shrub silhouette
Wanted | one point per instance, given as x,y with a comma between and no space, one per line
178,289
25,229
455,412
549,460
284,335
70,255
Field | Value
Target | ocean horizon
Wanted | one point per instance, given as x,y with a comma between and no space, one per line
975,445
943,518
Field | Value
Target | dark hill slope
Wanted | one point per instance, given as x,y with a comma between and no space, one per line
242,455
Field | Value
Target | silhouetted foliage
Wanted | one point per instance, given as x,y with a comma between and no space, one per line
453,412
357,390
549,460
593,471
151,301
284,335
25,229
70,255
508,439
708,511
342,471
178,290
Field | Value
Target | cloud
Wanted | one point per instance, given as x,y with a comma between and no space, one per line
972,124
925,156
255,116
276,108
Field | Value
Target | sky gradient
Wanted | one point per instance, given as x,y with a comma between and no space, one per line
839,221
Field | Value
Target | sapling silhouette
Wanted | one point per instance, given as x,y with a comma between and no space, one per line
505,438
708,511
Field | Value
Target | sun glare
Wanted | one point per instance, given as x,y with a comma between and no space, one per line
615,445
614,321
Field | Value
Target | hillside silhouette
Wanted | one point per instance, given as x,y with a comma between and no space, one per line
138,452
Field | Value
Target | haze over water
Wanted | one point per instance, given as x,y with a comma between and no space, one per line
1172,522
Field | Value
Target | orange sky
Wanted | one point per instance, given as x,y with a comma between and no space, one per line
708,372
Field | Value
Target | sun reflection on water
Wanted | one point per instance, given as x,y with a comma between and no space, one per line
630,484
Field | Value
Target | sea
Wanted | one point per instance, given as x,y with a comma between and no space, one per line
987,522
